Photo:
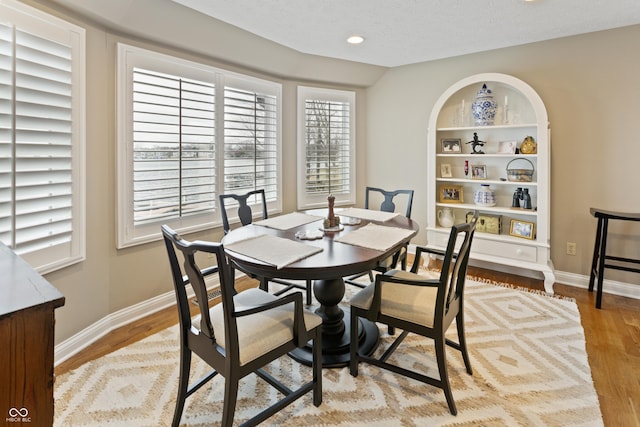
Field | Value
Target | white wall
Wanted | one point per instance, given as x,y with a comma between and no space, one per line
589,84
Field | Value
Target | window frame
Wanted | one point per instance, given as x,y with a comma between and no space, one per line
45,26
130,57
309,201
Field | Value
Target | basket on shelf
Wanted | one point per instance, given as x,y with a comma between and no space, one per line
520,175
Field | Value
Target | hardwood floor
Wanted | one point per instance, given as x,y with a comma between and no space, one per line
612,342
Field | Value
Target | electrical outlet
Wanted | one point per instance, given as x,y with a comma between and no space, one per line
571,248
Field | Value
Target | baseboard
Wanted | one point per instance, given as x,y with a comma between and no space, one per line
613,287
76,343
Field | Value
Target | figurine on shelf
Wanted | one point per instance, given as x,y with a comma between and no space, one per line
529,146
332,220
476,144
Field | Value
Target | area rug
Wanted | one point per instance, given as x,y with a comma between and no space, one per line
527,352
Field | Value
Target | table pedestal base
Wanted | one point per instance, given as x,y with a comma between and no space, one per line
336,334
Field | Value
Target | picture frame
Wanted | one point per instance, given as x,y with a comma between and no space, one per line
451,194
445,170
507,147
478,171
451,145
522,229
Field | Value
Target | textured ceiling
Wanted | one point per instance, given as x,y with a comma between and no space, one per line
400,32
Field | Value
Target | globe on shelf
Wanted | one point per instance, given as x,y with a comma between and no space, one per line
484,107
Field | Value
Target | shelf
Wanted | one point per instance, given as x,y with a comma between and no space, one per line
475,128
488,181
495,209
491,155
495,237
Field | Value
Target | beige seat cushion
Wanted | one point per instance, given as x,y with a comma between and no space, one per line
262,332
414,304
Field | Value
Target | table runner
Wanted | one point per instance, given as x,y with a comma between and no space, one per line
273,250
376,237
368,214
288,221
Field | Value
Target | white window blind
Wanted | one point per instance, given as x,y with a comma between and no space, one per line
326,144
188,132
173,146
250,142
40,202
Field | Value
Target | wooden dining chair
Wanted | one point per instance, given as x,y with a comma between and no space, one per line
387,204
424,304
240,336
245,215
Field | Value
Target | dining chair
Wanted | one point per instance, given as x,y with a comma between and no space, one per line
425,304
387,205
245,215
239,336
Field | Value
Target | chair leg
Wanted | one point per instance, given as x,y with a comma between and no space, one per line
264,284
603,251
462,341
183,384
596,253
353,345
308,292
441,357
230,398
317,367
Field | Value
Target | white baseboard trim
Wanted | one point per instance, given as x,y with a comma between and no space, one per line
78,342
613,287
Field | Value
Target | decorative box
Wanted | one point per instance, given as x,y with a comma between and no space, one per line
487,223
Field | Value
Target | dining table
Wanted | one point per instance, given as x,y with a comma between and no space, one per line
298,245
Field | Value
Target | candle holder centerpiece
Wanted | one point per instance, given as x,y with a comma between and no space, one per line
332,222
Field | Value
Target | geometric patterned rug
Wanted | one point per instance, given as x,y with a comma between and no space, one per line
527,353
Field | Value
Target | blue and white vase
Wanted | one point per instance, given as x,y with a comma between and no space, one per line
484,107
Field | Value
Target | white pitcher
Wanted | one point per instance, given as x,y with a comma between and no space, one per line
445,217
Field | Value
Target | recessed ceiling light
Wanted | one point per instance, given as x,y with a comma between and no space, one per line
355,39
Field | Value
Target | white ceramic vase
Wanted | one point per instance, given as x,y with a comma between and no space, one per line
445,218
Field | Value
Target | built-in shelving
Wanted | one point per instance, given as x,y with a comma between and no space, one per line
525,115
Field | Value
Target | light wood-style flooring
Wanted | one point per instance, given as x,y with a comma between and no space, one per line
612,341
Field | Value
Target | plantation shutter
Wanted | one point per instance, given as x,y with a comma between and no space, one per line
250,142
327,147
35,141
173,146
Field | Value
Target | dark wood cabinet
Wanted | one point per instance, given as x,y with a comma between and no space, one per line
27,305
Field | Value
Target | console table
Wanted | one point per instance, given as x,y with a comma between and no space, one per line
27,305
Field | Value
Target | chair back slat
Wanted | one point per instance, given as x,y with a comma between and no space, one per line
244,212
454,265
388,204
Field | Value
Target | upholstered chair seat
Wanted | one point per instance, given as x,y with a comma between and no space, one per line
260,333
402,301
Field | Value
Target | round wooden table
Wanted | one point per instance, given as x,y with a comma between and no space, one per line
326,269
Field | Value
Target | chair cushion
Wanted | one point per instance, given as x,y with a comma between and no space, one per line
262,332
414,304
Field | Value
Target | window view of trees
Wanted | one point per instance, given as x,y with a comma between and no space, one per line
327,147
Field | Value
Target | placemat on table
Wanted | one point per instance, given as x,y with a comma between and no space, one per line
273,250
288,221
376,237
368,214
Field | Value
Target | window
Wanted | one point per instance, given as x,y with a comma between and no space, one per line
188,132
326,146
41,137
